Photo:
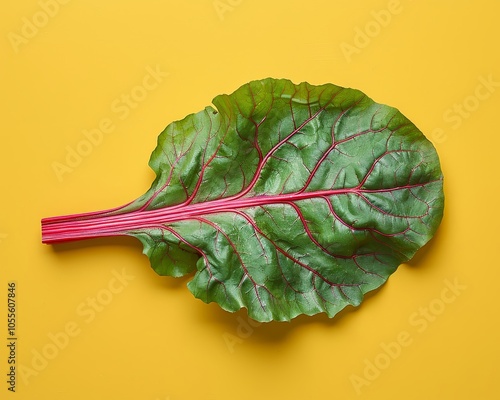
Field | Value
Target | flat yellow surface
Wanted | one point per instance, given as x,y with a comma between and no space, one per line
86,86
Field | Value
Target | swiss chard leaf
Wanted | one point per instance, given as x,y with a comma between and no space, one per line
284,199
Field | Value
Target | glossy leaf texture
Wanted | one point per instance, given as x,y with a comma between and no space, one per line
285,199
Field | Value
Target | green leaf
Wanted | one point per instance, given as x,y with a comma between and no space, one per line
285,199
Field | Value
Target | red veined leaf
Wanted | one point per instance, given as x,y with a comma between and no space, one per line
284,199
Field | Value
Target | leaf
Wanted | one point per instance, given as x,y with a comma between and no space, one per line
284,199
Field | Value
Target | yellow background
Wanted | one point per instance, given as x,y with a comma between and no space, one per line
147,337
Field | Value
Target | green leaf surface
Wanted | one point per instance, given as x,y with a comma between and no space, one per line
286,199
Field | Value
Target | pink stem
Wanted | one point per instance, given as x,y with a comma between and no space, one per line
112,223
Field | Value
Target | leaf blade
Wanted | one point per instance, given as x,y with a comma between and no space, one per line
298,199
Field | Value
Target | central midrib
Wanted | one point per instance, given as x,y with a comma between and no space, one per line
139,219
